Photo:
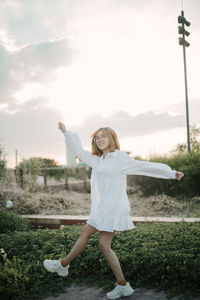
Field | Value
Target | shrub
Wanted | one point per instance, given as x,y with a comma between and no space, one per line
2,162
187,163
53,168
27,172
2,169
11,221
163,256
13,277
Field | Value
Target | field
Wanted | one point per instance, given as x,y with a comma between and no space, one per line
75,201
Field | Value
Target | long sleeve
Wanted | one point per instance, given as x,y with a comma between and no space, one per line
73,141
131,166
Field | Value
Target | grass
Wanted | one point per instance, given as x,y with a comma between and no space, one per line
190,207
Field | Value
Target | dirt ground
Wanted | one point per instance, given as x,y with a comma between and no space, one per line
76,203
55,199
63,202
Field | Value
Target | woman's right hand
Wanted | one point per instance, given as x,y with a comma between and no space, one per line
179,175
62,127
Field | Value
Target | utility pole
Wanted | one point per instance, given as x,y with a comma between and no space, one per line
184,43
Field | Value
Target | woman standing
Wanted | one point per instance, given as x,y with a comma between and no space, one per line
110,207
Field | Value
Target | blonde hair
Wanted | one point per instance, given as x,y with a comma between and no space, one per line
113,140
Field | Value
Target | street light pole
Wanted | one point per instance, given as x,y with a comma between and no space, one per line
184,43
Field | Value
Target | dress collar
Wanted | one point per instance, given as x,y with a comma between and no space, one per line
114,153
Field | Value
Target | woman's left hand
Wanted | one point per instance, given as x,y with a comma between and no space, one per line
179,175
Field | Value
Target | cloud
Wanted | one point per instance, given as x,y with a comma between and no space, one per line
48,55
32,46
33,131
194,107
33,22
128,126
7,82
33,63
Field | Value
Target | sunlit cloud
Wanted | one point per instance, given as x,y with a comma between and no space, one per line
8,43
29,92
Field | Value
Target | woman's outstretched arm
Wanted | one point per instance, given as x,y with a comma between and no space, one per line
131,166
73,141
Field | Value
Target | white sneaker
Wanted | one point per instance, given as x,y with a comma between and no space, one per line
55,266
120,291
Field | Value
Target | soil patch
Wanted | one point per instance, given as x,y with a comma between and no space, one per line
63,202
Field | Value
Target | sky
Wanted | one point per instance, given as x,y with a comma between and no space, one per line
94,63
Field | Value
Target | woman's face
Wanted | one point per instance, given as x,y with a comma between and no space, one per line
101,140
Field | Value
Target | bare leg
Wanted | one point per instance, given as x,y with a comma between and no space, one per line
81,243
105,239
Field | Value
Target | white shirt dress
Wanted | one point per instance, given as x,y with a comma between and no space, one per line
110,208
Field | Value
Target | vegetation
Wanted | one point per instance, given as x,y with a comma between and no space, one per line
10,221
181,160
2,162
51,163
194,141
189,186
28,171
162,256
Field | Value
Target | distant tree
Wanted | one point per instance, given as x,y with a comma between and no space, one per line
28,170
194,141
48,162
2,161
51,163
2,152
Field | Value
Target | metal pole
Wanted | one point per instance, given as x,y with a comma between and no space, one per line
186,89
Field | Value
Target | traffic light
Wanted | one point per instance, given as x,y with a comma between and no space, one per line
181,30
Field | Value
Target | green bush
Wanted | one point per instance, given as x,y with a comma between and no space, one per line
189,185
27,172
163,256
2,169
2,162
12,221
49,163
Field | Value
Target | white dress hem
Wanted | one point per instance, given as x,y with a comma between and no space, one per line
115,228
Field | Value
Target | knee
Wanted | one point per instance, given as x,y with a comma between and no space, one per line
84,233
103,247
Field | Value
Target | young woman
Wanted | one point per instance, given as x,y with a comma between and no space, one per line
109,202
